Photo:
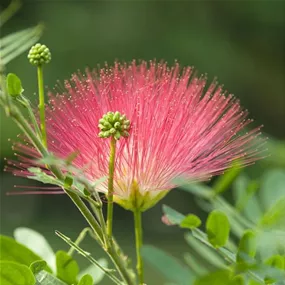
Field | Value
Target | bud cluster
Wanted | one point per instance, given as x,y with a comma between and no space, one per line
114,124
39,54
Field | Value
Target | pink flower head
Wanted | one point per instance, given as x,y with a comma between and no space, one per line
178,127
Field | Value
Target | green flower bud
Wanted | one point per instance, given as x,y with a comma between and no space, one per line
39,54
114,124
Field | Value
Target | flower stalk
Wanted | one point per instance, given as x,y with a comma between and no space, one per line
38,56
139,242
111,188
42,104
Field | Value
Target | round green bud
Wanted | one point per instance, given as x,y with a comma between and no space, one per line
114,124
39,54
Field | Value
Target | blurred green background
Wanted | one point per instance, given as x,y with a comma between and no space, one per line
240,42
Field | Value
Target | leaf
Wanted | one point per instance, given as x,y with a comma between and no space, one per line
66,267
167,265
173,216
45,278
194,264
247,248
86,280
14,251
36,242
12,273
272,187
14,85
274,217
246,201
13,45
254,282
218,228
41,176
205,251
223,182
276,261
10,11
215,278
198,189
237,280
96,273
190,222
227,254
38,266
68,182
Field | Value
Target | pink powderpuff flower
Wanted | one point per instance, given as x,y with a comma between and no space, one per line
178,127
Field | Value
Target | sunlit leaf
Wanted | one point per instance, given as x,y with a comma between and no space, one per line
274,217
11,250
190,222
237,280
215,278
218,228
37,243
276,261
66,267
247,247
224,181
12,273
86,280
14,85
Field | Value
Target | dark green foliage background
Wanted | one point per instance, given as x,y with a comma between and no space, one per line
240,42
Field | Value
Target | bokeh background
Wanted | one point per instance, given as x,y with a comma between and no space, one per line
240,42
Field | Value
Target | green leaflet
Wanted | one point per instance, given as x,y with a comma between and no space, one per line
247,247
86,280
215,278
11,250
66,267
14,85
218,228
37,243
12,273
190,222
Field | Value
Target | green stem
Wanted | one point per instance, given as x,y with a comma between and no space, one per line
27,104
42,104
139,242
111,188
79,239
112,249
87,215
